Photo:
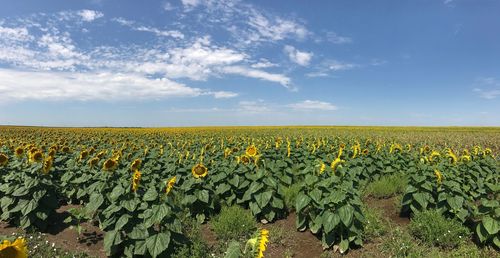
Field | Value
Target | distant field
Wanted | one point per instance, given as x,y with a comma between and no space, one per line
148,190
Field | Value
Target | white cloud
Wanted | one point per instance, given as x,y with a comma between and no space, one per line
167,6
487,87
189,4
14,34
253,106
263,63
296,56
90,15
28,85
276,29
161,33
309,105
336,39
254,73
224,94
165,33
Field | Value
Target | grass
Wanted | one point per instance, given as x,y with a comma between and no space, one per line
375,224
386,186
234,223
195,246
434,229
290,195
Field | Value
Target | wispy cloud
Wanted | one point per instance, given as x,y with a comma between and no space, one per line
337,39
299,57
327,67
90,15
311,105
487,87
158,32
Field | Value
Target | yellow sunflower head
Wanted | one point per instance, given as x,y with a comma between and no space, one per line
136,177
93,162
110,165
52,153
37,157
465,158
19,151
322,168
3,159
263,240
16,249
245,159
251,151
83,155
439,176
487,151
47,165
101,154
365,152
336,163
452,157
199,171
170,184
136,164
65,149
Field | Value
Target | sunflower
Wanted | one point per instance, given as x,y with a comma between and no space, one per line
199,171
465,158
93,162
365,152
322,168
19,151
47,165
136,164
110,165
263,239
170,184
452,157
251,151
356,149
434,155
439,176
83,155
394,147
37,156
65,149
16,249
135,180
3,159
465,152
52,153
101,154
245,159
336,163
487,151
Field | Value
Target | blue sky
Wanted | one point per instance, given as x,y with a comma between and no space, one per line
231,62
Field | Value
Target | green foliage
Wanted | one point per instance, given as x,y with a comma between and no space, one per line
375,225
387,186
434,229
233,223
195,246
400,244
28,196
290,195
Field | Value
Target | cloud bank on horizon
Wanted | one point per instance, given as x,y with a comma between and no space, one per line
204,62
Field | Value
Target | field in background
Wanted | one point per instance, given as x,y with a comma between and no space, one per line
305,190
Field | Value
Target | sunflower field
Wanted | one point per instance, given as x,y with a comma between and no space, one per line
140,185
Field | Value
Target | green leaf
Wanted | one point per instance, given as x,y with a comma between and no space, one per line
421,199
116,193
122,221
95,201
150,195
25,210
481,232
343,246
233,250
263,199
346,213
111,238
490,224
330,221
302,201
202,196
21,191
455,202
139,232
158,243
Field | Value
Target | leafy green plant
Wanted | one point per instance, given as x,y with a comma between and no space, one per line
375,225
434,229
76,217
328,206
28,196
290,195
234,223
386,186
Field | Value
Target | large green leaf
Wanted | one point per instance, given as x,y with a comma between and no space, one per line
158,243
302,201
490,224
330,221
233,250
346,213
